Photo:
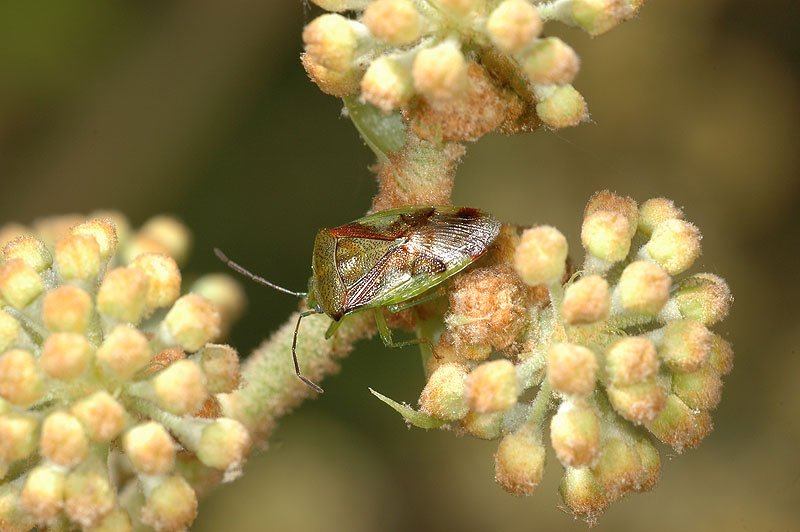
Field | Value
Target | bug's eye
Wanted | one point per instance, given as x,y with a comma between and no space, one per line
318,308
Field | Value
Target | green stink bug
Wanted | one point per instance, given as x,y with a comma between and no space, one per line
387,259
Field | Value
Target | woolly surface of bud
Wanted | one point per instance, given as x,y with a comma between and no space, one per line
43,493
519,462
445,395
331,41
721,356
78,257
655,211
30,250
586,301
701,389
67,309
104,233
117,520
674,245
180,389
643,288
63,440
551,61
150,448
171,505
631,360
606,235
513,25
342,5
19,283
618,469
164,278
9,330
170,234
223,444
459,7
685,345
575,434
638,403
387,84
220,364
88,494
20,382
651,464
65,356
193,321
17,437
486,426
122,294
124,352
227,294
605,200
679,426
563,107
492,386
704,297
571,369
339,84
541,255
598,16
396,22
440,73
12,230
101,416
582,493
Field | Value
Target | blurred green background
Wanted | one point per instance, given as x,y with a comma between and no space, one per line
201,109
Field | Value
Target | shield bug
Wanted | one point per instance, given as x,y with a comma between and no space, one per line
387,259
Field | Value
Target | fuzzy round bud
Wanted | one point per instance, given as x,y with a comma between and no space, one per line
331,41
458,7
171,505
519,462
150,448
571,369
78,257
685,345
102,417
575,434
444,395
124,352
63,440
19,283
586,301
117,520
582,493
551,61
387,84
679,426
701,389
396,22
492,386
703,297
12,230
30,250
122,295
223,444
655,211
88,495
674,245
721,355
651,464
67,309
17,437
513,25
9,330
606,235
643,288
339,84
631,360
20,382
638,403
605,200
43,493
180,389
164,279
618,468
226,294
440,73
65,356
563,107
220,364
597,16
193,321
344,5
541,255
170,235
103,231
486,426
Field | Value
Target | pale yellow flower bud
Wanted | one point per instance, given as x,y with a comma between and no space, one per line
674,245
88,494
9,330
20,381
65,356
220,364
655,211
540,257
164,279
150,448
519,462
78,257
103,231
606,235
117,520
122,295
171,505
562,107
582,493
396,22
17,437
586,301
67,309
31,250
387,84
223,445
640,402
339,84
679,426
193,321
618,468
486,426
440,73
651,464
170,234
701,389
63,440
685,345
101,416
331,41
445,396
551,61
598,16
226,294
571,369
180,389
643,288
513,25
459,7
343,5
43,493
19,283
492,386
703,297
575,434
631,360
721,356
124,352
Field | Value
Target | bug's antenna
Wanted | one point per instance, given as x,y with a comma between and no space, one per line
260,280
310,384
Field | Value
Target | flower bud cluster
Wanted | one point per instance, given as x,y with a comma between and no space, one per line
619,351
457,68
108,374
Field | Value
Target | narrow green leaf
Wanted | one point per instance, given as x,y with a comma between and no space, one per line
418,419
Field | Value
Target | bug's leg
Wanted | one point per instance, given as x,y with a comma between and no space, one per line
430,295
310,384
332,329
386,333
